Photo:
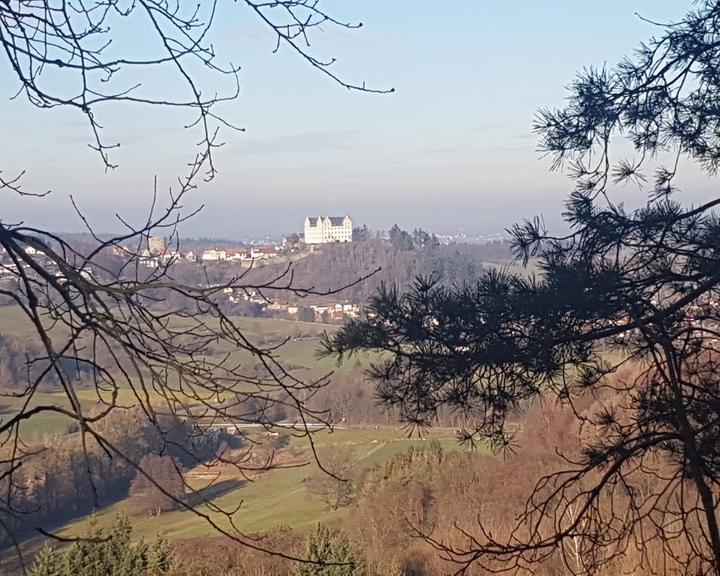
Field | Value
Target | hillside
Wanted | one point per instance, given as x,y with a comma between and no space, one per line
333,265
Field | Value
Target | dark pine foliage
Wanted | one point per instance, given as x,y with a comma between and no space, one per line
636,287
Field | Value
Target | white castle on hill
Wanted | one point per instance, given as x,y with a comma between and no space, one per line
326,229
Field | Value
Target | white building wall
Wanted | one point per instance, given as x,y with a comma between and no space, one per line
157,244
325,231
214,255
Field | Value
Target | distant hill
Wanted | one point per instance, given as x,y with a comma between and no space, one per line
335,265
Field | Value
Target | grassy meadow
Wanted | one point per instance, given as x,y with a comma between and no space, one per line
298,354
272,499
278,498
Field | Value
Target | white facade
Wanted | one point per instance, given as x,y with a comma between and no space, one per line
157,244
328,229
214,255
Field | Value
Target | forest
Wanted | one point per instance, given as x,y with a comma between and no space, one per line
373,520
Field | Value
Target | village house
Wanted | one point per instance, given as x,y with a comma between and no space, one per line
169,256
30,251
157,245
236,254
213,255
263,252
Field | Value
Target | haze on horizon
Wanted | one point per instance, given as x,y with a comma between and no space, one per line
451,148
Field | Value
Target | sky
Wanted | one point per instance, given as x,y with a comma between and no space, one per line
452,148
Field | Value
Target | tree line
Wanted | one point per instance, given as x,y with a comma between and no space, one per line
397,518
65,480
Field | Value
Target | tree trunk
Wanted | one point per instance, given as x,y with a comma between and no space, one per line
694,460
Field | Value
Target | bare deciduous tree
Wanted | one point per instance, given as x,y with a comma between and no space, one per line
164,471
336,488
183,357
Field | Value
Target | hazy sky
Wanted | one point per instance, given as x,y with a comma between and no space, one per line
451,148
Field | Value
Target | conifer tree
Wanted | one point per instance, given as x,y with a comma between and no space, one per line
635,288
47,562
106,553
329,554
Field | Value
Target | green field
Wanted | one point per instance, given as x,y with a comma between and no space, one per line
298,354
277,498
